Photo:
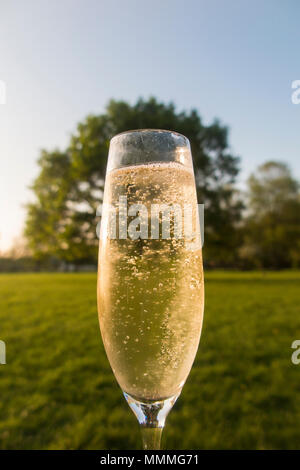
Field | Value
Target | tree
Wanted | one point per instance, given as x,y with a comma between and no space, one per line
61,222
272,227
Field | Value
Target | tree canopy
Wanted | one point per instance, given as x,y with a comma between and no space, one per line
61,222
272,226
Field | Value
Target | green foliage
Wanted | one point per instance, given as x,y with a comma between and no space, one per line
58,391
62,220
272,228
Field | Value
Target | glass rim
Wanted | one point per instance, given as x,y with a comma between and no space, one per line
131,131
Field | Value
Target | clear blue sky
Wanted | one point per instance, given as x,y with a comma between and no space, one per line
63,59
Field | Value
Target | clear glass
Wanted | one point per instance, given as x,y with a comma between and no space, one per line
150,277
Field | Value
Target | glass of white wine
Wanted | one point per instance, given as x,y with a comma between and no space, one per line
150,276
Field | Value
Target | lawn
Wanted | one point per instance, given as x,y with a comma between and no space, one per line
58,392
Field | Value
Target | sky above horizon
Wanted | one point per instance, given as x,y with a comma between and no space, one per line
61,60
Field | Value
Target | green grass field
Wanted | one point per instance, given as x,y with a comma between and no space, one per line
58,392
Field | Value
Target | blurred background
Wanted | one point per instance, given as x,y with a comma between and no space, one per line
77,72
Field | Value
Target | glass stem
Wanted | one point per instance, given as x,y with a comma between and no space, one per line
152,416
151,438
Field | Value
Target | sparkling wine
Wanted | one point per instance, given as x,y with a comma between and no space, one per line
150,291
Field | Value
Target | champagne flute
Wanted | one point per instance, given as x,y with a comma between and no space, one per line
150,277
